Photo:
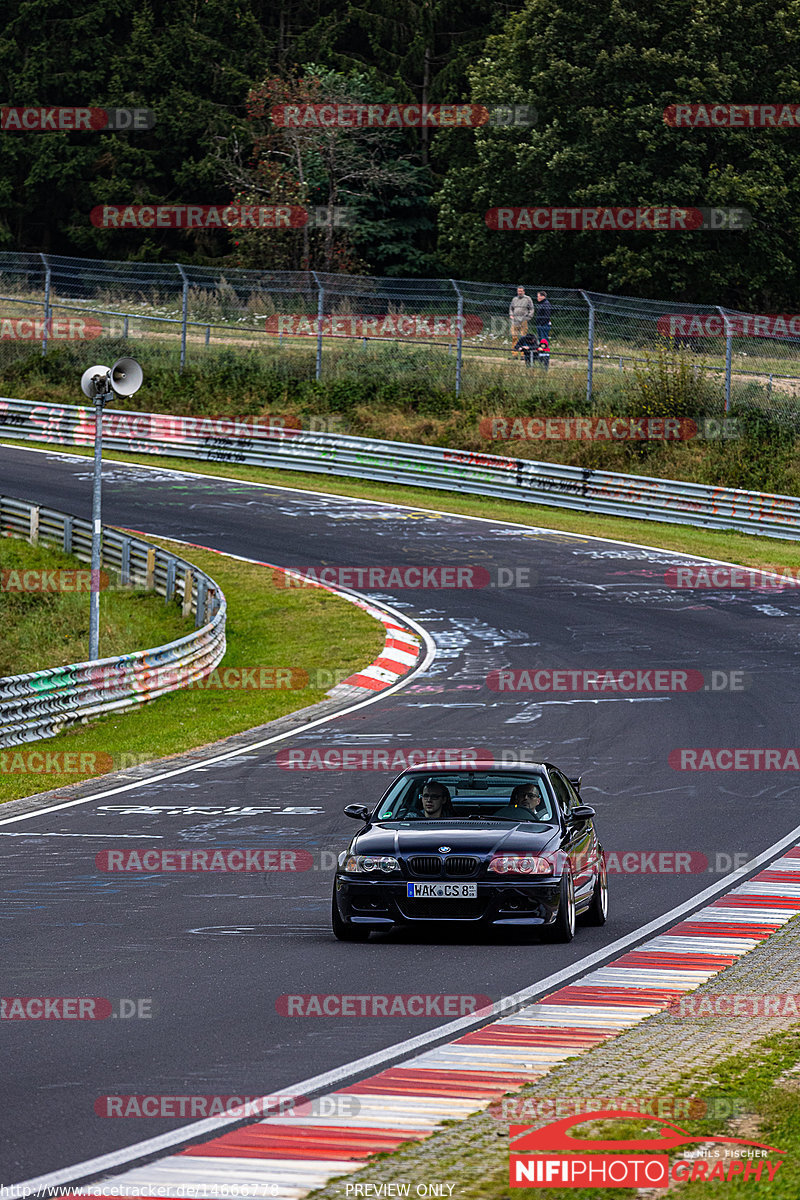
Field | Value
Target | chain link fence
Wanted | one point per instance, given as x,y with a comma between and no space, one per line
455,333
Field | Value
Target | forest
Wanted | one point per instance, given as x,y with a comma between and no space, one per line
411,201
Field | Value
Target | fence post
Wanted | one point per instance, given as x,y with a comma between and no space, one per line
590,352
728,357
459,335
169,590
125,562
320,313
184,310
187,592
202,599
46,302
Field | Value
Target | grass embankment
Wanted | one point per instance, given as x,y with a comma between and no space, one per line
50,628
404,393
307,630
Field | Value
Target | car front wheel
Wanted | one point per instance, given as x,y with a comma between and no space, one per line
563,928
597,911
341,929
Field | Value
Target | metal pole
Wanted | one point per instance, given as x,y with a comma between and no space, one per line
184,310
94,600
459,336
46,303
320,314
728,357
590,354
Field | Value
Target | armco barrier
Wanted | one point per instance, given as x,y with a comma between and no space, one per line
41,704
233,440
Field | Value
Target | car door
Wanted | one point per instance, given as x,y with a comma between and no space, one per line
581,838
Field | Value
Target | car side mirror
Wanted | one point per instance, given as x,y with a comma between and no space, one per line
357,811
583,812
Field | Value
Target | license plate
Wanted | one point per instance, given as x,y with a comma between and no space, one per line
442,891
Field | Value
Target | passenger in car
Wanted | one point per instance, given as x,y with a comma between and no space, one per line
525,803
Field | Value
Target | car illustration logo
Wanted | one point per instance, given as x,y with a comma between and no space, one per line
443,849
555,1135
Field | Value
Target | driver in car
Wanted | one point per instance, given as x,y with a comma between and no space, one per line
526,803
436,802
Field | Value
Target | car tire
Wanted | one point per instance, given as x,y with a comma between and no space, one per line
563,928
342,930
597,912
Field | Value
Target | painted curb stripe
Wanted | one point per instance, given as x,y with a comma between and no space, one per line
401,651
469,1072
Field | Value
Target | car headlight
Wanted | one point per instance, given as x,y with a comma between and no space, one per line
370,864
520,864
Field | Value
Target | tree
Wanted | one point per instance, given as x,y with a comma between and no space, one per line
600,78
191,64
372,173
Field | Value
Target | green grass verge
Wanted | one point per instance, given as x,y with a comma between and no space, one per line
306,629
51,628
406,393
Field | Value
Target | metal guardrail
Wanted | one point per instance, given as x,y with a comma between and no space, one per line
42,703
232,440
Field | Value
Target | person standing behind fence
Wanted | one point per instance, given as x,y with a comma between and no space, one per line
520,311
543,316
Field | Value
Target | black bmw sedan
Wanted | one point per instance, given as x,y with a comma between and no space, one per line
494,845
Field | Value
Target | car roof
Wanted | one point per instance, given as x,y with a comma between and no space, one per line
497,768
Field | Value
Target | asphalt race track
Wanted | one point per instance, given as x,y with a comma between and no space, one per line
215,953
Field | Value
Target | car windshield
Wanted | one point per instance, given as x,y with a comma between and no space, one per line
471,795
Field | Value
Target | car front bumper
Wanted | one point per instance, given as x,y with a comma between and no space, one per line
382,903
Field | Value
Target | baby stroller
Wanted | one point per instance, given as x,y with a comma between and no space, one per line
528,348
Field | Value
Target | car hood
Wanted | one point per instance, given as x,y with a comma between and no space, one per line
467,838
